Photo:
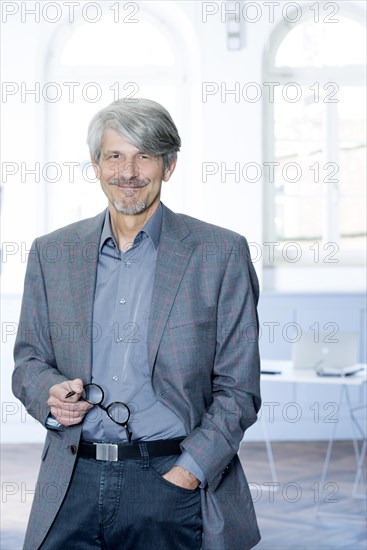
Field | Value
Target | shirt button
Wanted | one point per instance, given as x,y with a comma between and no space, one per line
123,301
127,264
115,378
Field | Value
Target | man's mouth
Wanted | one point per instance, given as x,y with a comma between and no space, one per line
129,184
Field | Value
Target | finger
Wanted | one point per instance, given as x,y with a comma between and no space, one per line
76,385
69,420
79,406
73,388
68,416
58,391
65,406
54,401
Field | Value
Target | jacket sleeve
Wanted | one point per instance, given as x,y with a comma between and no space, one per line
236,370
35,365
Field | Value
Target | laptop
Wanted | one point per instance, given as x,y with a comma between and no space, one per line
328,355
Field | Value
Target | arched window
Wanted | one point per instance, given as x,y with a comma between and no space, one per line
315,142
72,70
97,64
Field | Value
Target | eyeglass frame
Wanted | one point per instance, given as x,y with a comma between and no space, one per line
105,409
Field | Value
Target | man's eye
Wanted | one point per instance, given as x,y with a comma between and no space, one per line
113,156
144,156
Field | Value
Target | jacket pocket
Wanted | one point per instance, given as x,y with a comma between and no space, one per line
185,315
45,448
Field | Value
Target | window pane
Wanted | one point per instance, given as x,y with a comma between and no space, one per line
352,114
352,136
353,223
301,171
299,132
105,43
352,159
298,219
300,119
353,171
321,44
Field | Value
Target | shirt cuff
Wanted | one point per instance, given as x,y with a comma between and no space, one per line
186,461
52,424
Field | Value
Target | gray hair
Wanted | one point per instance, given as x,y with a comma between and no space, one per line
143,122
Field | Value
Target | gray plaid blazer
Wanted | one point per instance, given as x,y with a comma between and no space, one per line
203,356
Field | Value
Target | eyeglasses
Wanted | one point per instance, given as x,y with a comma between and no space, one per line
118,412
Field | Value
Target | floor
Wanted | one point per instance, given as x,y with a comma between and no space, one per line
286,513
287,517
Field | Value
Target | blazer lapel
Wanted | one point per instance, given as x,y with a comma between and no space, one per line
173,257
82,284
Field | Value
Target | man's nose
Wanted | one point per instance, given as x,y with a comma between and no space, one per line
128,170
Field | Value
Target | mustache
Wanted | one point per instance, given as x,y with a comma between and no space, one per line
128,182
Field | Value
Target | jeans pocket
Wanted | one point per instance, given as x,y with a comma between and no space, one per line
161,465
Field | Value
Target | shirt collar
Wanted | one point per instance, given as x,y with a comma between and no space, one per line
152,229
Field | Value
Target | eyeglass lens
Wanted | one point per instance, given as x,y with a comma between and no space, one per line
117,411
93,394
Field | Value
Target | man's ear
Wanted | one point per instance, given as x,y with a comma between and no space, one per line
96,167
169,171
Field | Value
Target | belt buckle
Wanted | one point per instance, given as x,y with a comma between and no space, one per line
106,451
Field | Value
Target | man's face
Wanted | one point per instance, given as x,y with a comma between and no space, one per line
131,179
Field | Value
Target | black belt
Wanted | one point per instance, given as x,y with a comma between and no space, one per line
113,452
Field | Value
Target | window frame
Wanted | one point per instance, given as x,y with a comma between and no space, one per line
185,72
349,75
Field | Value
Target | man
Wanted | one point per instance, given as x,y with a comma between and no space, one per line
158,312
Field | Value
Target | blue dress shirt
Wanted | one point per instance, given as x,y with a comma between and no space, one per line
120,353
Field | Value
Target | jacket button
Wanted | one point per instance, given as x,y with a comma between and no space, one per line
73,449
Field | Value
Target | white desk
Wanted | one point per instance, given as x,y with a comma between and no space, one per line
308,376
289,374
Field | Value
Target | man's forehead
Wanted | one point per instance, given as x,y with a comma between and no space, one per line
113,141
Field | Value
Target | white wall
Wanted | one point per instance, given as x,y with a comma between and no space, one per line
228,131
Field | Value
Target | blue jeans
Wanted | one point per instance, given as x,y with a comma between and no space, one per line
126,505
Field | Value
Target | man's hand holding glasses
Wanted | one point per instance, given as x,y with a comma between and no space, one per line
69,402
68,410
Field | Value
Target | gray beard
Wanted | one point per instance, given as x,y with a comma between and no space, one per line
122,205
132,210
